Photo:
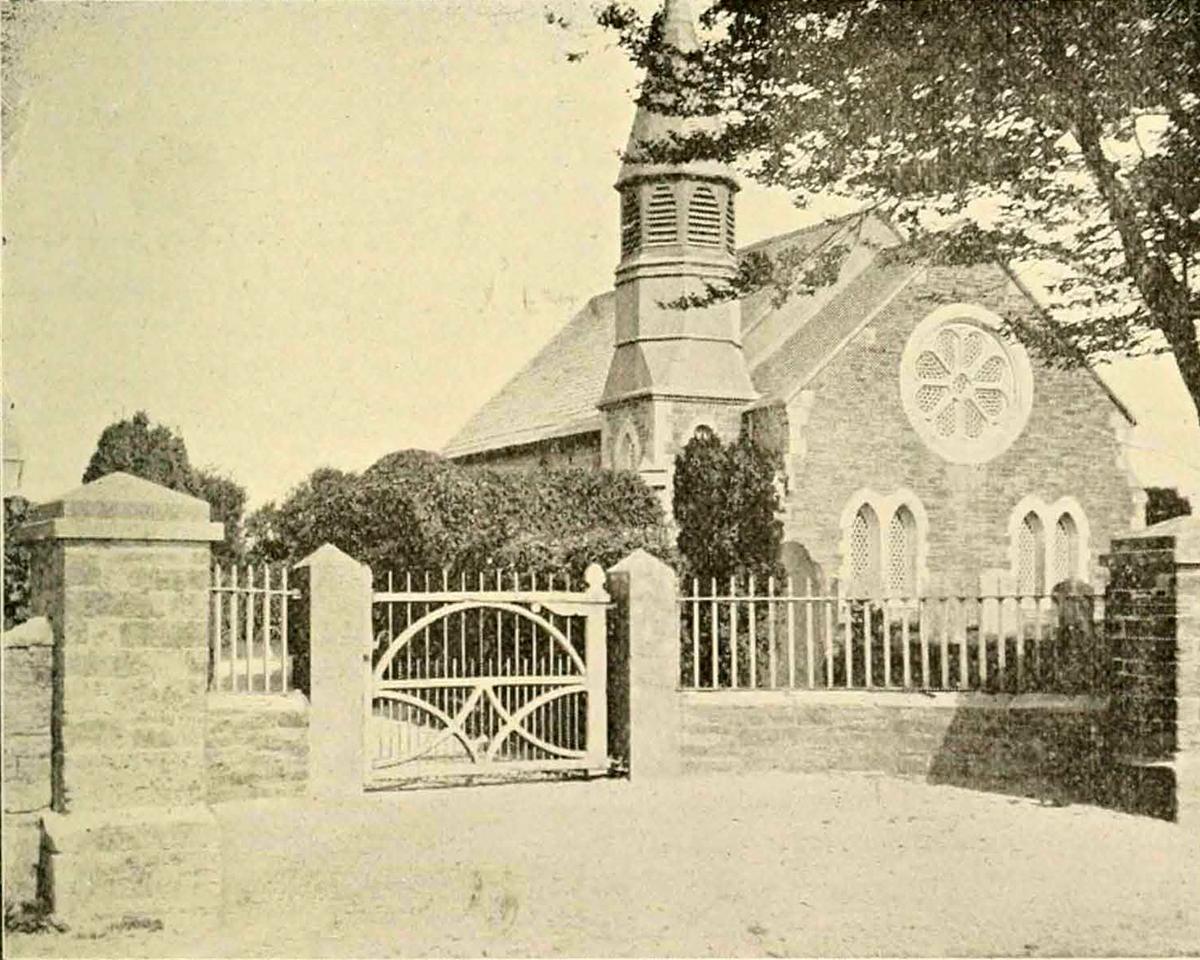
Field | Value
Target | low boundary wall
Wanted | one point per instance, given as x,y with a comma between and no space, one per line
28,676
1051,747
255,746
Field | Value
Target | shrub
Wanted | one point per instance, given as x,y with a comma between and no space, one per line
416,513
154,453
16,564
401,459
569,555
726,506
325,508
227,498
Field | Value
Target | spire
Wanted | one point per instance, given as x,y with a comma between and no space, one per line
670,365
649,126
679,26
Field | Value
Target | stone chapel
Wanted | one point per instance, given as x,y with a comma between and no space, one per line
924,451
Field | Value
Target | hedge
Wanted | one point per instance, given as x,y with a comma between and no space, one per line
412,513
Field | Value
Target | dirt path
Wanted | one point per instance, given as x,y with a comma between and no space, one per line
777,865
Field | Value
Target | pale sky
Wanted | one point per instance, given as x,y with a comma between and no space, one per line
312,234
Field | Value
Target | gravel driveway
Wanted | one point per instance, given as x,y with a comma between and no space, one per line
763,865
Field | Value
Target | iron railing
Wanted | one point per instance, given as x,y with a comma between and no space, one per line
739,635
248,629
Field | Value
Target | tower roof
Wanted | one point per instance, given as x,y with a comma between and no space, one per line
679,26
651,126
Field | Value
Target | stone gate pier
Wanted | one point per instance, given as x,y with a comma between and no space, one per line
120,570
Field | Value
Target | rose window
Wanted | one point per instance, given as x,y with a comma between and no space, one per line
966,390
965,382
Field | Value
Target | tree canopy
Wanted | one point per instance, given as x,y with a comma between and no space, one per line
155,452
135,446
1058,131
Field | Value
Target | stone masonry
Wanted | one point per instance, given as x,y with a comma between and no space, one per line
340,651
643,659
28,652
255,746
121,570
848,430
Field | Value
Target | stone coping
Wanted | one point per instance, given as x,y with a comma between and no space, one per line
257,702
122,494
1147,762
941,700
123,528
122,507
36,632
1180,534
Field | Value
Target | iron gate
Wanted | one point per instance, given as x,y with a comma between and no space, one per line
479,679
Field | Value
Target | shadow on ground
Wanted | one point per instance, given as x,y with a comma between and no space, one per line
1057,758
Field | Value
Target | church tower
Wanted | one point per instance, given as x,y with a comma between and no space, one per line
673,368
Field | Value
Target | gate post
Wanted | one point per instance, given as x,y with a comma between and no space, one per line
1152,615
339,671
596,654
646,672
120,569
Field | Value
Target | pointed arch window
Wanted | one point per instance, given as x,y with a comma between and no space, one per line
883,545
1066,549
628,455
902,553
704,218
1031,555
661,218
864,552
1048,544
631,222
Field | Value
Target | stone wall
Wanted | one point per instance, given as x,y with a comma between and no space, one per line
856,435
154,863
28,657
255,746
1141,624
724,419
28,654
1031,745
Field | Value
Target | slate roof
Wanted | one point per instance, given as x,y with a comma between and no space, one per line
816,340
555,394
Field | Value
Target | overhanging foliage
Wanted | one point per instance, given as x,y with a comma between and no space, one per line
1058,131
